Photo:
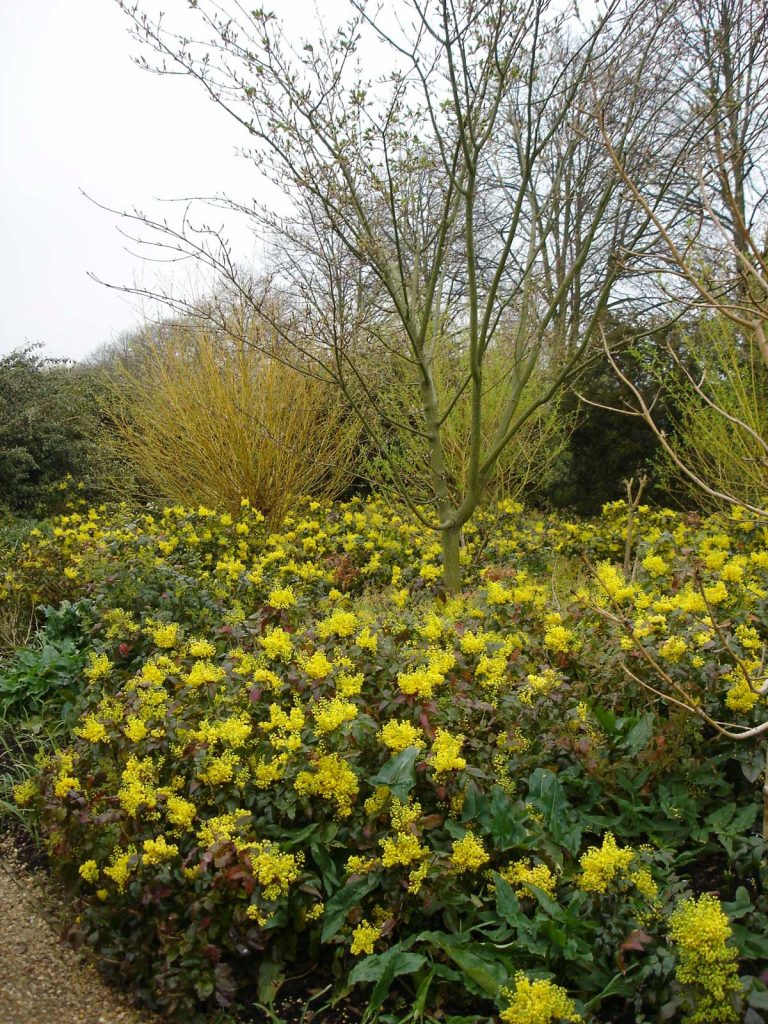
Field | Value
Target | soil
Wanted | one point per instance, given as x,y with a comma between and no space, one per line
42,980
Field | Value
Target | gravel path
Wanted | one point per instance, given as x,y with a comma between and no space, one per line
43,981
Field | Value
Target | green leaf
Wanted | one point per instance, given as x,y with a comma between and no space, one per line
638,736
328,869
741,905
546,794
618,985
547,904
487,975
507,903
398,774
383,968
758,999
751,945
506,830
340,904
394,962
270,979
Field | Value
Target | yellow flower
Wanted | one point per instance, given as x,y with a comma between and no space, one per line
420,682
332,779
118,869
539,685
155,851
673,648
560,639
318,666
201,648
203,673
468,853
277,645
89,871
741,697
445,753
218,770
363,938
340,623
717,593
402,849
223,827
99,666
165,635
521,873
274,871
655,565
24,792
700,930
92,730
471,643
399,735
642,879
330,714
496,594
367,640
180,812
602,866
349,684
360,865
281,599
538,1002
135,729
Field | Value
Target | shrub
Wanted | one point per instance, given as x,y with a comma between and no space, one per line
322,760
203,418
721,434
49,433
48,674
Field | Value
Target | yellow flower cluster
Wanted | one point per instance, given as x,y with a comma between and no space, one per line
89,871
339,623
397,736
137,788
420,682
274,871
332,779
603,866
538,1002
99,666
223,827
92,730
119,868
521,874
156,851
445,754
701,931
281,598
277,645
165,635
364,938
330,714
468,853
201,648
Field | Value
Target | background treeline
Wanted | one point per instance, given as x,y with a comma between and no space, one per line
177,413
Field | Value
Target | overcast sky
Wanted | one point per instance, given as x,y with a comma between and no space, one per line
76,113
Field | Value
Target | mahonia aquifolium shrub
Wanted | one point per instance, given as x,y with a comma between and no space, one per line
291,746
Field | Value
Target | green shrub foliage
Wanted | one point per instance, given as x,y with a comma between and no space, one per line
292,749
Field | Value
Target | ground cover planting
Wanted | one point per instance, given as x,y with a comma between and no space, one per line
289,753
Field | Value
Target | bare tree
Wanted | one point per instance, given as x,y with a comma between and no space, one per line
461,205
711,261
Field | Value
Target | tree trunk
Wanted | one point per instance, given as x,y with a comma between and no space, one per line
451,540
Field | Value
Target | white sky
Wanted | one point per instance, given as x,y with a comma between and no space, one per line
76,113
